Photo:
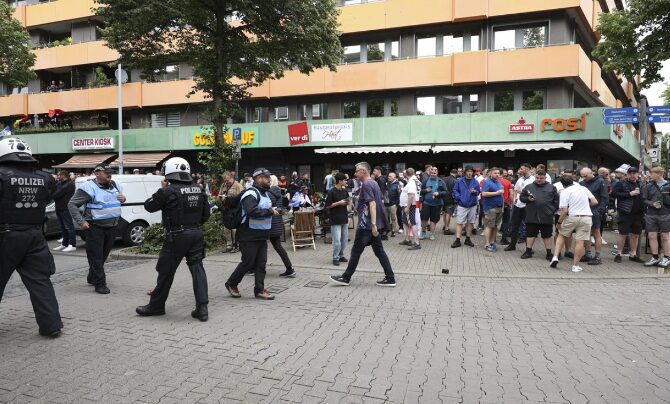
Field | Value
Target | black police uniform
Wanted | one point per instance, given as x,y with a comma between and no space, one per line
185,208
24,194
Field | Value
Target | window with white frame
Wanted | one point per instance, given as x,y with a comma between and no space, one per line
281,114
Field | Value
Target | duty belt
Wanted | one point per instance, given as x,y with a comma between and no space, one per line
182,228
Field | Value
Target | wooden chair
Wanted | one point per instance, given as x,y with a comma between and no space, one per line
302,230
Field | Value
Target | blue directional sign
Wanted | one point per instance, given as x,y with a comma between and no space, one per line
659,118
663,109
237,134
613,120
628,111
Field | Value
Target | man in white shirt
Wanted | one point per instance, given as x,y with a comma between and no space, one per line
575,203
410,214
519,209
567,241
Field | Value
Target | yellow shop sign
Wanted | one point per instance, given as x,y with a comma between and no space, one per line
248,138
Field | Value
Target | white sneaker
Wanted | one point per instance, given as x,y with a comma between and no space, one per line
400,231
603,241
593,240
576,268
59,248
60,240
652,262
69,248
664,263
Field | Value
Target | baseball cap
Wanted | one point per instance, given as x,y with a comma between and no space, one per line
632,170
260,171
623,169
106,168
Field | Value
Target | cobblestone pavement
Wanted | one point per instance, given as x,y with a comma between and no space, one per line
431,339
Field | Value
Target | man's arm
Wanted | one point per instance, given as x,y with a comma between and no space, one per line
372,206
79,199
206,209
564,214
157,201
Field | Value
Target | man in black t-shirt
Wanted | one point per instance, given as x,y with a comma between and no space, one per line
337,201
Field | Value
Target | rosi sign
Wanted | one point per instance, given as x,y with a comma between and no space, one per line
560,124
92,143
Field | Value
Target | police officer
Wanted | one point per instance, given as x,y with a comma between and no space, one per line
103,198
185,208
24,194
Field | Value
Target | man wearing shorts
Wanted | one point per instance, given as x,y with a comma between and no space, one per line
493,201
598,188
541,199
657,199
449,203
575,203
465,194
432,193
410,215
631,213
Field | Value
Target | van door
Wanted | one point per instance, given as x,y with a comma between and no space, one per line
151,185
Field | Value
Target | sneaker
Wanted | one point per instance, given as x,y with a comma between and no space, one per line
560,256
576,268
264,295
665,262
603,241
586,258
336,263
423,235
200,312
617,258
593,240
146,311
510,247
595,261
386,282
339,280
59,248
392,234
635,259
400,231
342,259
414,247
447,232
526,255
60,240
405,242
652,262
549,256
233,290
504,241
102,289
487,247
468,242
456,243
52,334
554,262
570,255
431,237
69,248
289,273
493,248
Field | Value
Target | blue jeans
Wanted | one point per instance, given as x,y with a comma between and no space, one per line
340,235
363,239
67,228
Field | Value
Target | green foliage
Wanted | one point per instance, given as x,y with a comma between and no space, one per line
227,58
101,79
636,40
666,95
55,43
16,58
218,159
154,236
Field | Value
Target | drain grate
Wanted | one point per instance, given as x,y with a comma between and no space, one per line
315,284
275,289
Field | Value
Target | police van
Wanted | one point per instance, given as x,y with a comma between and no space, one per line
134,218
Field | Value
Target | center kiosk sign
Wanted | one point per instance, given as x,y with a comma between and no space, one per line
93,143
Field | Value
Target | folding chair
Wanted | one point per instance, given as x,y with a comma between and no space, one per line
302,230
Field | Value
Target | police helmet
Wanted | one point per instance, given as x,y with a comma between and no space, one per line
177,169
15,150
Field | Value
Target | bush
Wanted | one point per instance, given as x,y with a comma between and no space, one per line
215,237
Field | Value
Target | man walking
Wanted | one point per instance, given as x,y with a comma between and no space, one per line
449,202
370,223
391,204
465,194
541,199
381,182
64,191
657,199
598,188
631,213
519,209
432,192
337,202
410,215
493,201
102,198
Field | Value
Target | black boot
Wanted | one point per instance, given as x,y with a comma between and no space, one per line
147,310
200,312
504,241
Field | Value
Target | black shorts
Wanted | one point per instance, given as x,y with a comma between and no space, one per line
596,220
630,223
409,219
431,213
533,229
448,209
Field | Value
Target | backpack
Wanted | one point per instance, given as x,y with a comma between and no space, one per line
231,211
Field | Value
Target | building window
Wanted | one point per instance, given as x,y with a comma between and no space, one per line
452,104
313,111
281,113
503,101
474,42
395,50
394,107
376,51
533,99
257,114
165,120
425,105
171,73
528,36
452,44
352,54
474,103
352,109
426,47
375,108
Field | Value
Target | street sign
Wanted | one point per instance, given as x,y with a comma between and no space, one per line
613,120
653,153
237,134
628,111
663,109
659,118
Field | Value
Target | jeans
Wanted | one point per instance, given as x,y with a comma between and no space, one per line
363,239
254,258
340,233
67,228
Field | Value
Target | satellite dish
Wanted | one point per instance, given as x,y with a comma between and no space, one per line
124,76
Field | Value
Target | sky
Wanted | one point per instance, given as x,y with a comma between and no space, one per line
654,96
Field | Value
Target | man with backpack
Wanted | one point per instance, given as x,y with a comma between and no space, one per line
102,198
254,211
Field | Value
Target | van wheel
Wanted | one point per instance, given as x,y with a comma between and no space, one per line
135,233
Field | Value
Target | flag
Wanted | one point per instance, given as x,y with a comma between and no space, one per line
6,132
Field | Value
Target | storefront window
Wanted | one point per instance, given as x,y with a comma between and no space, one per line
452,104
375,108
426,47
376,52
425,105
352,109
533,100
352,54
503,101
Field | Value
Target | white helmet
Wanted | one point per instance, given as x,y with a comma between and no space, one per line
177,169
15,150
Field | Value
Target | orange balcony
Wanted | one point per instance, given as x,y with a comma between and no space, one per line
19,13
169,93
74,55
393,14
56,11
470,68
85,100
15,104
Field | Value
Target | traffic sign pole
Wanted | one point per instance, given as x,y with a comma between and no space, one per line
643,130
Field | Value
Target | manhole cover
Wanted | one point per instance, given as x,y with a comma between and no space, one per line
315,284
275,289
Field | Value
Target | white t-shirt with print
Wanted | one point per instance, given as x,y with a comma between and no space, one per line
410,188
577,199
519,186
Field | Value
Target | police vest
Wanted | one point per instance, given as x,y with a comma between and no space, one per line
103,204
187,211
258,223
25,195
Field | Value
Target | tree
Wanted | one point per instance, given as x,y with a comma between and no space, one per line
227,58
666,95
16,58
636,40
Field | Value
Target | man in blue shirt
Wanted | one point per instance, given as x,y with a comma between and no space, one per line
433,191
492,196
